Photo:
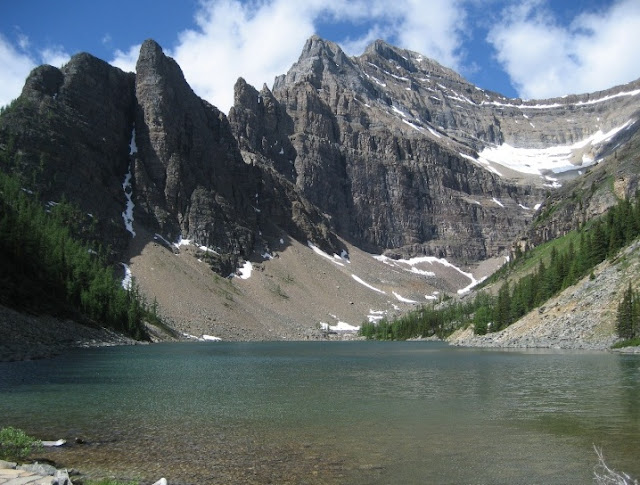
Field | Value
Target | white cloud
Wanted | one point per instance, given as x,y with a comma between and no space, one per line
126,60
54,56
433,28
259,40
545,58
356,46
23,41
16,66
256,42
18,62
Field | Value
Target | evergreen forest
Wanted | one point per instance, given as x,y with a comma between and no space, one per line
46,269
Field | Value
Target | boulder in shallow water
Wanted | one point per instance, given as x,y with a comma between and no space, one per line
62,477
39,469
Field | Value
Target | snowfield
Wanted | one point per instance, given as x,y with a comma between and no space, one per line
537,161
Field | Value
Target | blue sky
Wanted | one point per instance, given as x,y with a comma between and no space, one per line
526,48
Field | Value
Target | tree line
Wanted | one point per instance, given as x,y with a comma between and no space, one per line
426,321
596,241
46,269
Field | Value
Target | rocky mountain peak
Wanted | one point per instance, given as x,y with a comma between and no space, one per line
401,153
382,140
380,53
150,50
44,80
244,94
320,60
71,127
155,68
319,47
389,150
380,50
190,179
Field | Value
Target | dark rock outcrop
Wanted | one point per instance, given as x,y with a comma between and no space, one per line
68,136
83,131
190,180
381,149
260,123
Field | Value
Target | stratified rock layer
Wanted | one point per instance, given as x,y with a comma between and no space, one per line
387,145
385,184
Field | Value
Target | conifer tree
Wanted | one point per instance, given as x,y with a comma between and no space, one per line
625,316
599,243
503,307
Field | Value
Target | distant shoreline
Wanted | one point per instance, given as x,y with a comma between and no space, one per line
31,337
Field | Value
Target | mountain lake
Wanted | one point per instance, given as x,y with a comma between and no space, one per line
330,412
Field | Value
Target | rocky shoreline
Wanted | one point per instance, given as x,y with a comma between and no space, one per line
30,337
42,474
581,317
466,338
32,474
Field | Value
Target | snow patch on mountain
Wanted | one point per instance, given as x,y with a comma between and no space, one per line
411,264
339,327
537,161
133,149
127,214
364,283
128,277
335,259
563,105
245,270
375,316
403,299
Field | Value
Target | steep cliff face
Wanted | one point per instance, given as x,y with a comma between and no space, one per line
406,156
142,150
261,124
390,150
190,180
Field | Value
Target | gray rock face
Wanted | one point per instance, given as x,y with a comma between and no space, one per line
381,149
190,176
260,123
190,179
386,144
39,469
386,182
429,94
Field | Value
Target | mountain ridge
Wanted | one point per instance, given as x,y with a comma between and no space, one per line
338,107
387,152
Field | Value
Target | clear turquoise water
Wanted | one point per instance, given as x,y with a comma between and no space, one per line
331,412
